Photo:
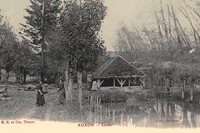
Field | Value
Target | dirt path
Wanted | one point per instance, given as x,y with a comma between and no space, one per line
48,112
30,113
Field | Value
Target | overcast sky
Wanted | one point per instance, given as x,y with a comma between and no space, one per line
120,12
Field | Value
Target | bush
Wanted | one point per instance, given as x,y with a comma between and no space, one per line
112,95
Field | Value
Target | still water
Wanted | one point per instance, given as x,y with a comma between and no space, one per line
156,113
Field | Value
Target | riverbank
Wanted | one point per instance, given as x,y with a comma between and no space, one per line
121,96
21,105
143,95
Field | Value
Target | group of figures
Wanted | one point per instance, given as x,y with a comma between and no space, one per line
40,100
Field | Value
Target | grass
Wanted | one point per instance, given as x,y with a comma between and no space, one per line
21,104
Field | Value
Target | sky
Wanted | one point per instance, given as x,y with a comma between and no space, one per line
120,12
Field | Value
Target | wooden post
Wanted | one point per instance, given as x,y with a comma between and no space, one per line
101,111
144,83
129,84
91,101
98,83
113,113
121,82
97,101
122,119
95,115
108,112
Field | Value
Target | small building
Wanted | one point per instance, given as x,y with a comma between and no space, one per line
117,73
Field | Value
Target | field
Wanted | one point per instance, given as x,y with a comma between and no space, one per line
21,104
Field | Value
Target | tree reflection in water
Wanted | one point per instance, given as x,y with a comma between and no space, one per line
193,118
155,114
185,122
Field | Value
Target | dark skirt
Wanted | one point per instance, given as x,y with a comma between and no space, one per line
40,99
62,96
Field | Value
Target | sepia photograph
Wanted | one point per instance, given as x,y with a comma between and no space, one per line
100,63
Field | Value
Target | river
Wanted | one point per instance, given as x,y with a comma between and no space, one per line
157,113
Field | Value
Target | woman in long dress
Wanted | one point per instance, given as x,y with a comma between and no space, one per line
40,101
94,85
61,92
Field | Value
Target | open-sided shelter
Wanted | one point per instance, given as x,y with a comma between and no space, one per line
116,72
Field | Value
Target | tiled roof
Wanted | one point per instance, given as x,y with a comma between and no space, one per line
117,67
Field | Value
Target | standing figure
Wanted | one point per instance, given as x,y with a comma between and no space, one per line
40,101
94,85
61,91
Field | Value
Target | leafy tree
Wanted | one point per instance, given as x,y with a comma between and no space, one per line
27,60
42,18
79,42
8,51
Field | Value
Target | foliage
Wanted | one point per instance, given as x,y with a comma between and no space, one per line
42,19
42,16
78,35
166,39
8,46
170,48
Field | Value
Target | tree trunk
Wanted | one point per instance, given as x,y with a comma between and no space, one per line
24,77
167,87
5,94
66,84
157,102
21,78
156,83
192,93
162,78
70,88
183,89
193,117
173,110
185,121
0,75
89,82
79,86
17,78
70,85
162,110
42,75
167,111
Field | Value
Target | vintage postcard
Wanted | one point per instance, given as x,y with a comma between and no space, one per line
100,65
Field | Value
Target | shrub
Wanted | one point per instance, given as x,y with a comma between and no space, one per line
112,95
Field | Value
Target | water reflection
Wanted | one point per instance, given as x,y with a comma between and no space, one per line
156,113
